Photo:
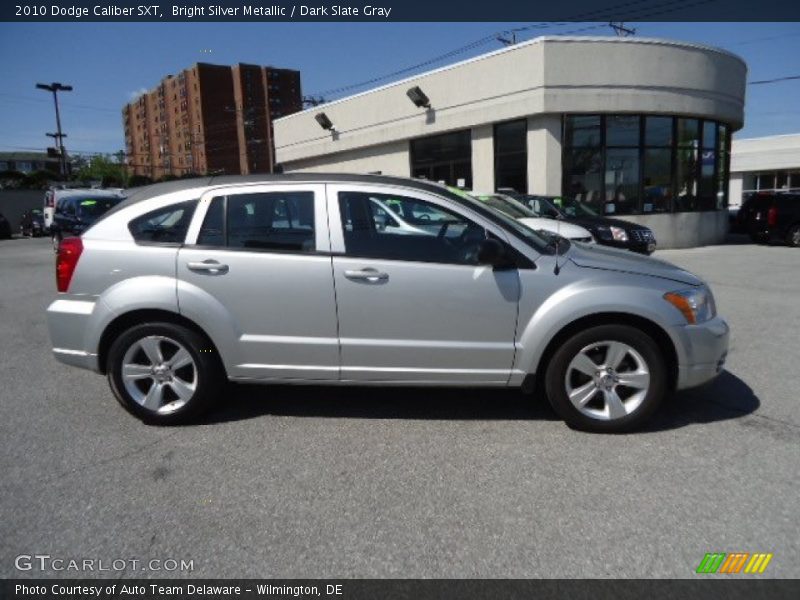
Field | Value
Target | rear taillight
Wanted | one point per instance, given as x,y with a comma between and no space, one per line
772,216
69,251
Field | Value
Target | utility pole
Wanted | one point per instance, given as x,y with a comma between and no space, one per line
507,41
620,29
56,87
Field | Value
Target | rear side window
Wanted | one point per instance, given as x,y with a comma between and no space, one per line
166,225
273,221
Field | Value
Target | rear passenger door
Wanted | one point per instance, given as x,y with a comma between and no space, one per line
260,257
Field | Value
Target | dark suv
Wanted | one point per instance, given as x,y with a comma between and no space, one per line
607,231
770,217
75,212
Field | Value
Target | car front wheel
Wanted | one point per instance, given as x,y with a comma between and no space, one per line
609,379
164,373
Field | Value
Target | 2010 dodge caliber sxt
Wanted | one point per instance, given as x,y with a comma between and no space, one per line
304,278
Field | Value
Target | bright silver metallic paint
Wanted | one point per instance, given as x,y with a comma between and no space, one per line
324,317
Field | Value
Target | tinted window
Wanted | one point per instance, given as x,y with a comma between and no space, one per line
583,130
511,156
622,130
278,221
425,232
92,208
166,225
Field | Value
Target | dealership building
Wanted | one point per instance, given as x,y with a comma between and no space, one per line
639,128
766,164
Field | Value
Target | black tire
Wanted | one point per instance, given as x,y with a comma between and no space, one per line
207,380
640,404
793,236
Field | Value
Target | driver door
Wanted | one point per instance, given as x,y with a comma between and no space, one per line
413,306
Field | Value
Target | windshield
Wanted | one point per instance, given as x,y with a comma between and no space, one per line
507,206
520,231
91,208
576,208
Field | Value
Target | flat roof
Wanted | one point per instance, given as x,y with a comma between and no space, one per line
518,46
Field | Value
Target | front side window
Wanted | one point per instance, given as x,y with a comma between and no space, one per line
424,232
165,225
273,221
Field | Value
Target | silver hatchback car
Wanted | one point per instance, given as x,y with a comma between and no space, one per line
298,279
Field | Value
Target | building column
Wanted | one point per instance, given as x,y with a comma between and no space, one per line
735,187
544,155
483,158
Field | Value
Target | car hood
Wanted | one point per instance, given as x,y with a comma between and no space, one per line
613,259
562,228
590,222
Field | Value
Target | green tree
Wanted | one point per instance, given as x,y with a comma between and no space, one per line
109,171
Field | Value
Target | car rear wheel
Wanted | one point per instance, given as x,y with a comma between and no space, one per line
164,373
609,379
793,236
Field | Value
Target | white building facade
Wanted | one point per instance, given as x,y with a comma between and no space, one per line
638,128
767,164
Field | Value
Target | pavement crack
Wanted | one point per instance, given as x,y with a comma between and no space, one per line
111,459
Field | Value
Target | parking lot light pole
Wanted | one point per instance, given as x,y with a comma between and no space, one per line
56,87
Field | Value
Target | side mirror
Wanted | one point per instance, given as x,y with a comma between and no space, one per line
380,222
492,252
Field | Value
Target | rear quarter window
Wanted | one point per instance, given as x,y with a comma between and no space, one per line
167,225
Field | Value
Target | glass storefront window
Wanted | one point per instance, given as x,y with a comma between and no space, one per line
709,135
622,130
582,131
686,179
647,164
583,176
446,158
657,180
658,131
622,181
511,155
706,188
688,132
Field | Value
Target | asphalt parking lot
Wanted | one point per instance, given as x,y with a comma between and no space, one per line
328,482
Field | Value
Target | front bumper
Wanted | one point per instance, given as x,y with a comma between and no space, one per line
68,323
705,348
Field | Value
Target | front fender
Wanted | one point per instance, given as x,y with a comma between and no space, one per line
540,323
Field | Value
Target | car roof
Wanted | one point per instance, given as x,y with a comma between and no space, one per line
135,195
87,192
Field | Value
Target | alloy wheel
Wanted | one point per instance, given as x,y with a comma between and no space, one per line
607,380
159,373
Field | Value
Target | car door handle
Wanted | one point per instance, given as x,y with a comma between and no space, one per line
208,266
371,275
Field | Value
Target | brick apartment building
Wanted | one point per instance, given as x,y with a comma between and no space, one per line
209,119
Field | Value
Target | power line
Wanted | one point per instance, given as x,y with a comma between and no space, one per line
776,80
670,6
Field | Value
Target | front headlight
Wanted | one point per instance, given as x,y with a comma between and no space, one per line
619,234
696,305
